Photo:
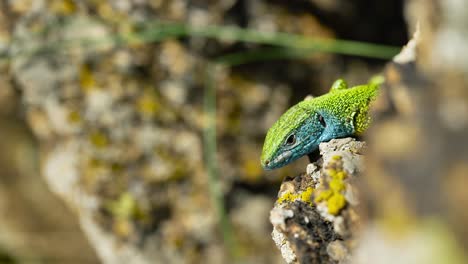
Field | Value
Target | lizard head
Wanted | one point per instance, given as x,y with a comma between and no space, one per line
296,133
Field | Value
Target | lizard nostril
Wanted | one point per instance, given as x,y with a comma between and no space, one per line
267,162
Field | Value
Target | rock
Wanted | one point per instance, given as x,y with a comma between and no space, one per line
314,219
414,189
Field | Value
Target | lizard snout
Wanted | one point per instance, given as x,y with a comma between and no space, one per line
265,164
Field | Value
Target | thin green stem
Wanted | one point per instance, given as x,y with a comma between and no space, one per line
157,31
295,41
210,150
264,54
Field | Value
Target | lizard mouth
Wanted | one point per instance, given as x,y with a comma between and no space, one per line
277,162
282,157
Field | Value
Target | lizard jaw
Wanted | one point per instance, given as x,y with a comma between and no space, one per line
278,161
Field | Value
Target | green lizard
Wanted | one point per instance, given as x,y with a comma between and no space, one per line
340,113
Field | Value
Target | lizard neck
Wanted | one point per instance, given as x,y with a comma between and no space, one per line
336,127
348,110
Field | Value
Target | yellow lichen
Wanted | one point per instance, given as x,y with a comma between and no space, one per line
125,207
336,203
330,190
304,196
307,195
337,185
122,227
331,172
333,195
148,104
63,7
323,196
341,175
286,197
87,80
336,157
74,116
99,140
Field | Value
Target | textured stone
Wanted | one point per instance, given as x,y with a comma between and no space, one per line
309,224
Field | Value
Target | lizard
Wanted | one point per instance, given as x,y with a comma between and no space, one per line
341,112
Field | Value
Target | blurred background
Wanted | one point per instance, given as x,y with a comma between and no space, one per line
131,130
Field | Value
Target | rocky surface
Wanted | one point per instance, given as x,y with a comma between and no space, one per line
412,196
418,149
315,219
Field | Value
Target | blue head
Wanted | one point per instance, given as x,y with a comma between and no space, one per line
299,132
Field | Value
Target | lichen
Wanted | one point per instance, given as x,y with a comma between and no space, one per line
125,207
148,104
323,196
288,196
337,185
74,117
87,80
332,194
336,157
99,140
335,203
305,196
63,7
341,175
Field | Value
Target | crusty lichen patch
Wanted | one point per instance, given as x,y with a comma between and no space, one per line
330,191
125,211
332,188
305,196
318,219
336,203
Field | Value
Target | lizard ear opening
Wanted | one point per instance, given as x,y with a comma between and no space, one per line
322,120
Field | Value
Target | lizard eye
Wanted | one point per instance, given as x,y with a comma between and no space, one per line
291,140
322,120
